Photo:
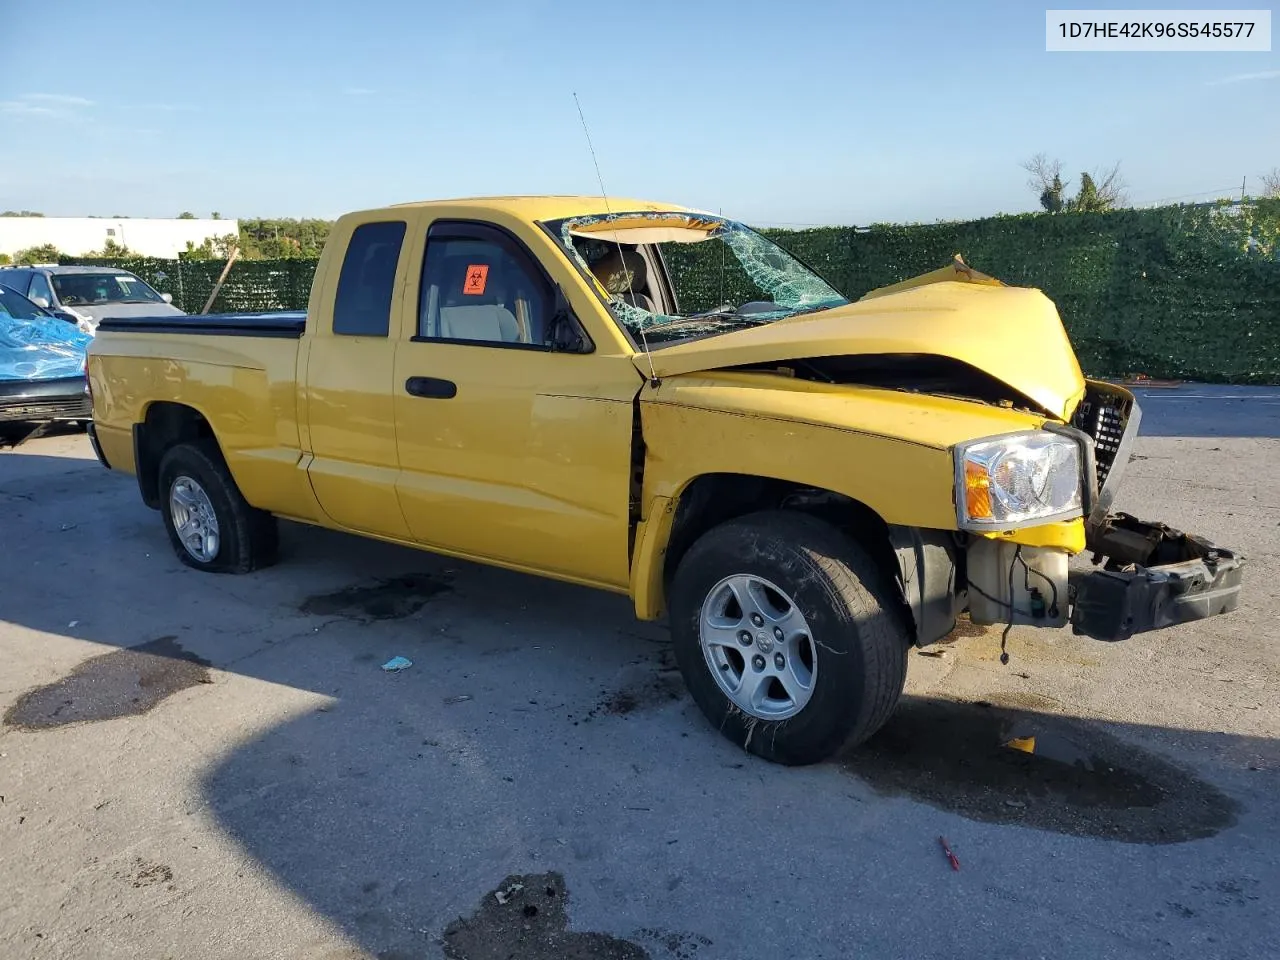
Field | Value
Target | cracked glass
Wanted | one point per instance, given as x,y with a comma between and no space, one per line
724,275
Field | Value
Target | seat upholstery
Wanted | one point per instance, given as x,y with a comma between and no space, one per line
624,274
480,321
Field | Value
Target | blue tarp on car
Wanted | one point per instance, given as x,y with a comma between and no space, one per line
44,348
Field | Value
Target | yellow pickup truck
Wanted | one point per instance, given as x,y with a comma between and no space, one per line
663,403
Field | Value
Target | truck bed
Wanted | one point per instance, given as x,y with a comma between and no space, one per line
280,323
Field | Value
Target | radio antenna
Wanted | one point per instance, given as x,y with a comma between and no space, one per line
604,195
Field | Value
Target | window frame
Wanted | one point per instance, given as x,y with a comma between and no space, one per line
456,228
391,300
52,296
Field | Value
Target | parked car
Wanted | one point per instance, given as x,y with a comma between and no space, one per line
42,366
806,485
84,295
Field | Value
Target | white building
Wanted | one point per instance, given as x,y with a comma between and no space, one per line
79,235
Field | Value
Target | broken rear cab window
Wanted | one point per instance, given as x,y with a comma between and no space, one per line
724,275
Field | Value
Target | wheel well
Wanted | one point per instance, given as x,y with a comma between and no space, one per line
166,424
713,499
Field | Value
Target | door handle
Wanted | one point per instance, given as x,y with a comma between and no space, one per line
431,387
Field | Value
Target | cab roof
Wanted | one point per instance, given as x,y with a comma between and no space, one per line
549,207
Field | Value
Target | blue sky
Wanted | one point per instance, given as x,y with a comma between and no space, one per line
775,112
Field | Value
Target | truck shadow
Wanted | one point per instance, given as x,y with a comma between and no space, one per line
541,741
398,814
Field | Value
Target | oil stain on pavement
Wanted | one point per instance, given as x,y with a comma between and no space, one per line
123,683
526,917
1003,765
649,683
390,599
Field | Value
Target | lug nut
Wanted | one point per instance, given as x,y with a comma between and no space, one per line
777,634
778,661
744,638
757,620
758,662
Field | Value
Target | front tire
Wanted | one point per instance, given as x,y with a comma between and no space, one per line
210,524
791,639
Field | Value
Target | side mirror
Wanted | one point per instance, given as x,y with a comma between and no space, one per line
564,333
167,297
41,302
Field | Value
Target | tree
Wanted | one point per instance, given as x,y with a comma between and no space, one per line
45,253
278,239
216,215
21,213
222,246
111,250
213,248
186,215
1271,183
1099,191
1046,181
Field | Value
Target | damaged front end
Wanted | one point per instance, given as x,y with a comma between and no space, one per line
1152,576
1147,575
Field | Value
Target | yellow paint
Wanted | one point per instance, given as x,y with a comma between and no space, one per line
889,450
1025,744
349,401
1066,535
530,466
244,387
652,535
956,270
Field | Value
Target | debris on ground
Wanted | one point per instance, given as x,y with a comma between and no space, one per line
502,896
951,857
396,664
527,917
461,698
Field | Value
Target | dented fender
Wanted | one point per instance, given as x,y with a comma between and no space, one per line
888,451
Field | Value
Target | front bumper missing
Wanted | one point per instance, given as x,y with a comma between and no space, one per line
1153,577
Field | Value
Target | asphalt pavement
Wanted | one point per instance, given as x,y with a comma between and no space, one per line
195,767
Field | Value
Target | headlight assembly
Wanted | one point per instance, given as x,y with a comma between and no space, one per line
1017,481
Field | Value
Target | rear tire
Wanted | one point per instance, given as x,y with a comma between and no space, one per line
209,523
815,607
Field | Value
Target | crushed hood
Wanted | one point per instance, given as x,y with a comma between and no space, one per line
1012,333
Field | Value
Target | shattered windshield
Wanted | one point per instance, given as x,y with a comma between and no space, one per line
723,275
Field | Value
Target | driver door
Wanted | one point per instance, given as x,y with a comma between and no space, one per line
510,452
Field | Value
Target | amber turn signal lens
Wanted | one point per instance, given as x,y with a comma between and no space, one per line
977,491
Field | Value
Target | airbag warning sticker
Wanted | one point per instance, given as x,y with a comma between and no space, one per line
477,277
